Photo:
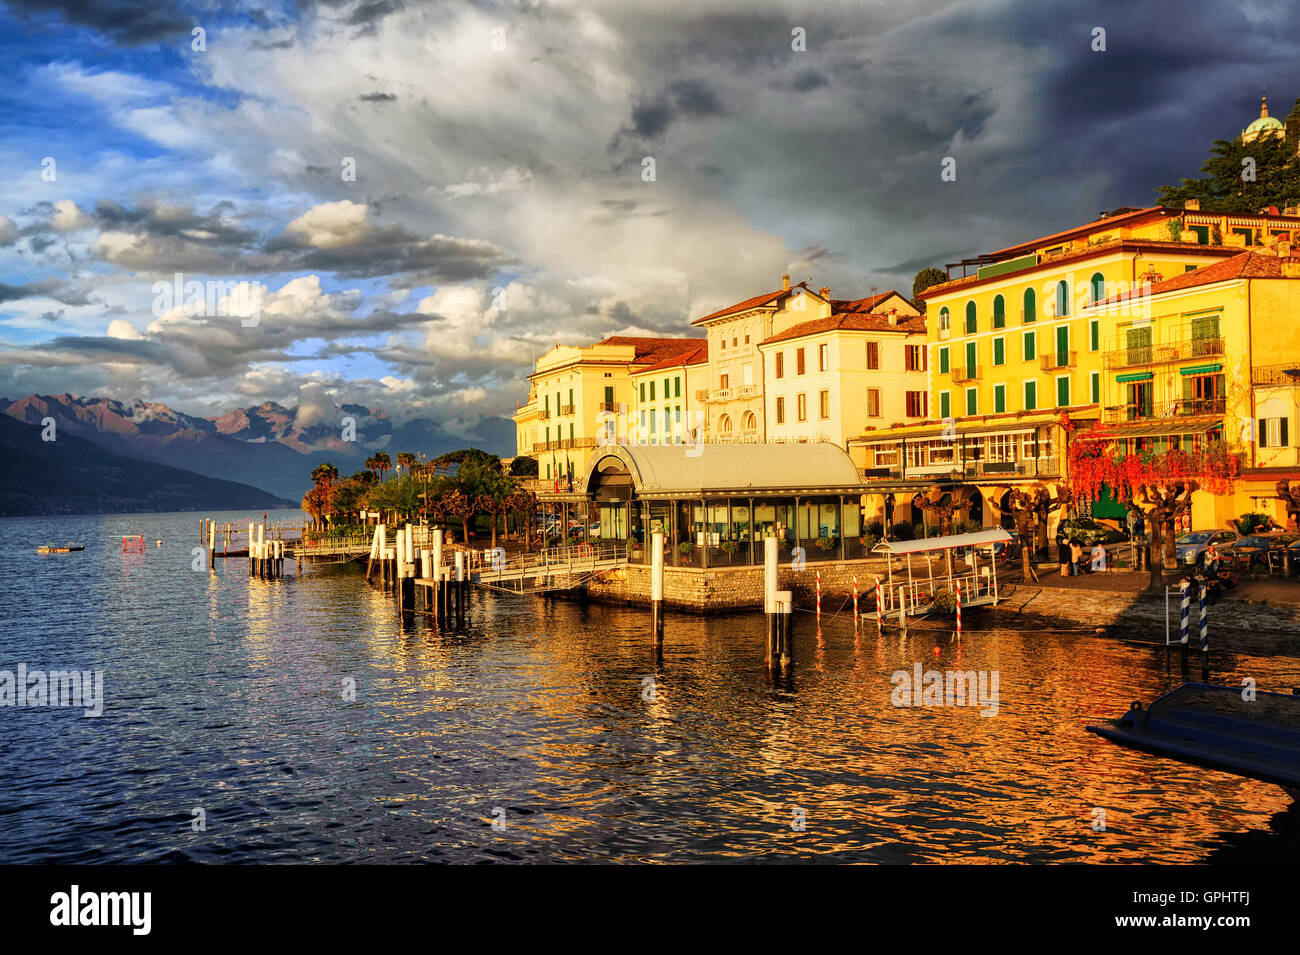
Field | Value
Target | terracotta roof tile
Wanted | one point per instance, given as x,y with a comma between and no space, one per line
1247,265
755,302
850,322
695,356
653,349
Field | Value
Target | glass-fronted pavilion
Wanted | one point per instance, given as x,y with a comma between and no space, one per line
716,502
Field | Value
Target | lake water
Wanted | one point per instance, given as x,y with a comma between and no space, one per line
547,730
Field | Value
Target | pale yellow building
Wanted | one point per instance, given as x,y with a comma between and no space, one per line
579,396
665,409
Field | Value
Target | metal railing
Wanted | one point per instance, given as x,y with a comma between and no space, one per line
962,373
1287,373
1132,356
1157,410
1053,360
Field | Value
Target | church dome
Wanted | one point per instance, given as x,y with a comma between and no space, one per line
1265,124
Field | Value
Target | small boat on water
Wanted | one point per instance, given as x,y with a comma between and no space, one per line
55,549
1254,734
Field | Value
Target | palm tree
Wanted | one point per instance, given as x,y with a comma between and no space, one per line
372,464
384,463
324,473
406,459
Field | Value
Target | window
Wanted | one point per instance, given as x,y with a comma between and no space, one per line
570,430
999,312
668,392
780,364
1094,387
1247,234
972,401
1062,345
609,398
999,398
943,360
1273,433
726,381
917,405
945,405
1030,341
724,345
677,387
1031,395
970,360
801,406
1002,448
798,361
873,355
652,390
1030,312
652,423
1098,287
823,357
1063,391
914,358
971,321
945,322
873,402
643,391
780,411
1094,335
824,404
999,351
746,338
747,374
548,434
733,342
1062,298
1202,235
570,397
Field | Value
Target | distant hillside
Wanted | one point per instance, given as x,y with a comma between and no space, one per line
73,476
267,446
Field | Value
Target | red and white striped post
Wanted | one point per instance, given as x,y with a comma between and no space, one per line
855,598
819,596
880,608
958,611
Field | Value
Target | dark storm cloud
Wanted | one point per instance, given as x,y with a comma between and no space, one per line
377,97
395,251
127,22
67,291
807,81
653,115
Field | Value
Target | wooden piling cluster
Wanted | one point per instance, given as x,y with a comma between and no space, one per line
421,581
265,557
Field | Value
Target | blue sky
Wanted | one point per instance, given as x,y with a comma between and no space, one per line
498,206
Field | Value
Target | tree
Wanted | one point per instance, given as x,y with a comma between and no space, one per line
524,467
459,505
1157,485
1031,508
925,278
466,456
1290,497
1241,177
406,460
324,473
383,464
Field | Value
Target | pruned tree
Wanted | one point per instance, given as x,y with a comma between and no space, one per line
1290,498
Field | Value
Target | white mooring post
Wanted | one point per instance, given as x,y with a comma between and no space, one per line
261,550
252,553
770,566
785,625
657,585
382,551
460,587
439,585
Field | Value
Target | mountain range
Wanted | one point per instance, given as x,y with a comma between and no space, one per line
267,446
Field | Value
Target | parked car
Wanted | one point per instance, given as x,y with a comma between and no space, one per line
1248,552
1191,547
1089,532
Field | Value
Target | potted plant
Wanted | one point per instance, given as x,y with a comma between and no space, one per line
686,549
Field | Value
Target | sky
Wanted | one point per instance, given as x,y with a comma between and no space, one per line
429,195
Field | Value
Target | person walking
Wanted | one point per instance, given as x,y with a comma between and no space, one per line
1076,557
1099,558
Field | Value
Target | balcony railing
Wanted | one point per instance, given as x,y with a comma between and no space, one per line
746,391
566,409
1287,373
543,415
1134,356
720,394
1053,360
966,373
1004,470
1153,410
609,406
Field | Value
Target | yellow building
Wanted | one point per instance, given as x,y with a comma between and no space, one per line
1217,360
1013,344
581,396
826,378
665,410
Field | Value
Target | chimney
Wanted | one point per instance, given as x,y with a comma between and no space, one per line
1192,205
785,282
825,291
893,316
1284,249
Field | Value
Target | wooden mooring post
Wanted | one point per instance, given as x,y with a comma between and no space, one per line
212,545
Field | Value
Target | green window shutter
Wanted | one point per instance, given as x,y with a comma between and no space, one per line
1206,326
643,391
652,390
1063,392
1098,284
1062,344
943,361
609,395
677,387
1031,340
971,320
999,312
999,351
972,401
1095,397
970,358
1030,307
1031,396
945,405
999,398
1094,335
1062,298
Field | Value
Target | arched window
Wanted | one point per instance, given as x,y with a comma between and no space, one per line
1098,287
1031,306
970,318
945,319
749,422
724,423
1062,298
999,312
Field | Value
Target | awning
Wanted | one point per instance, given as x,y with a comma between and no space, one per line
1201,369
1155,427
951,542
1134,376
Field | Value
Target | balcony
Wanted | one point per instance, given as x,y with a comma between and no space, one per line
1137,356
1154,411
566,409
701,394
1025,467
746,391
608,406
544,415
968,373
720,394
1053,361
1287,373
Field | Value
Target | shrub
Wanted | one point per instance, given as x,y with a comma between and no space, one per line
945,603
1247,523
904,531
874,529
